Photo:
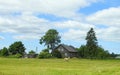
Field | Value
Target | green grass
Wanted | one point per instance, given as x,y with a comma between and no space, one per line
10,66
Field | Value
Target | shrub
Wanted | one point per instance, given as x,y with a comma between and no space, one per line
18,55
57,54
43,55
15,56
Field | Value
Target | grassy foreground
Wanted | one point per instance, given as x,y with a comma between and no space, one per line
58,67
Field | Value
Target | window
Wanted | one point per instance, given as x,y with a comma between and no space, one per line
66,54
62,49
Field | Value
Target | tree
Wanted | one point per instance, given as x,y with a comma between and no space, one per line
0,52
82,51
102,54
17,48
4,52
113,55
45,50
32,52
51,39
92,43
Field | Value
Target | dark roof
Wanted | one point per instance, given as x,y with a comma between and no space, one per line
69,48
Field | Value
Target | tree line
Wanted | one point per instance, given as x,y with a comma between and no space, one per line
16,49
91,50
52,39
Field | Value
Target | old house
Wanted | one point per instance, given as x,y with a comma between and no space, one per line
66,51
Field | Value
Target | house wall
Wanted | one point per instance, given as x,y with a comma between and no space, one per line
65,52
75,54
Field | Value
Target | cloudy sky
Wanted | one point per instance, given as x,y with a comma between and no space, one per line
28,20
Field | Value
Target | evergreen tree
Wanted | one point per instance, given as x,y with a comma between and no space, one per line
92,43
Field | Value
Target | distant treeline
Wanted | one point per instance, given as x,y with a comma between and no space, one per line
51,39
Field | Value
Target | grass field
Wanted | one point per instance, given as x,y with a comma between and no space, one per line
58,67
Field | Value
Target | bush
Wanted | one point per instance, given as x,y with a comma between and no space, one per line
57,54
43,55
18,55
15,56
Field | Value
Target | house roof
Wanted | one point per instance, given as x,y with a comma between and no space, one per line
69,48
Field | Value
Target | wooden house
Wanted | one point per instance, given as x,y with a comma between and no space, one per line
66,51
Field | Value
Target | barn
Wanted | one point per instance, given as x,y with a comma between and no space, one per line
66,51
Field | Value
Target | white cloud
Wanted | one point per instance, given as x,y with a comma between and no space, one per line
75,35
74,30
26,37
109,34
64,8
24,25
18,16
109,17
73,24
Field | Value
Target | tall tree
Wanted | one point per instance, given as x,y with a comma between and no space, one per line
92,43
51,39
17,48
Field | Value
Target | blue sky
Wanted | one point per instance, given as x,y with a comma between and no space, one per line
28,20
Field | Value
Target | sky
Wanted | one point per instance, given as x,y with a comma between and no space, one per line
28,20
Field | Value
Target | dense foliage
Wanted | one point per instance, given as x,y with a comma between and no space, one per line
57,54
101,53
51,39
44,54
92,50
17,48
32,52
4,52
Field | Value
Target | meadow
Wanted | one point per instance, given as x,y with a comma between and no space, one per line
11,66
